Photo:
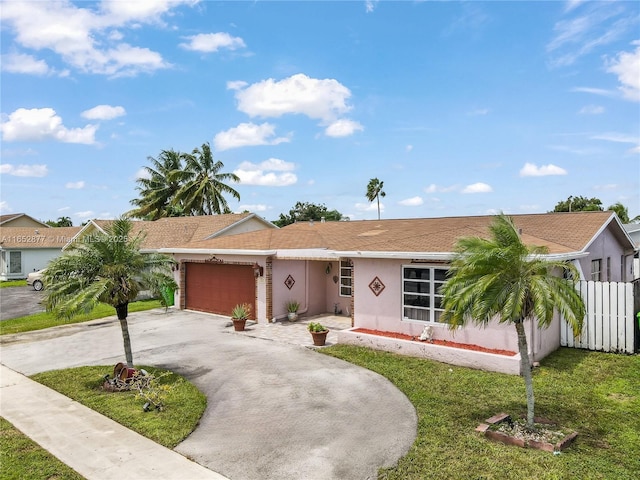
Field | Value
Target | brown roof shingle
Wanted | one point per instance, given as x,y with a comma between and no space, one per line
560,232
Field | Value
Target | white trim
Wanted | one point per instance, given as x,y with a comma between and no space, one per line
215,251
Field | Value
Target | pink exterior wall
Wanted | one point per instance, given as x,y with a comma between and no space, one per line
309,289
606,245
384,312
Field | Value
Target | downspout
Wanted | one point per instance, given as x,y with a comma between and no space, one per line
306,289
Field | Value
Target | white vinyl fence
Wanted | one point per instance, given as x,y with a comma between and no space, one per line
609,323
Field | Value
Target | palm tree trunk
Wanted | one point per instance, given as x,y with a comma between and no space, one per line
378,199
123,310
525,370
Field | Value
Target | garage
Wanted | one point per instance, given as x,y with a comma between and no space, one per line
217,288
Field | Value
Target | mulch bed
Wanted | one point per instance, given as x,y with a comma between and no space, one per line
444,343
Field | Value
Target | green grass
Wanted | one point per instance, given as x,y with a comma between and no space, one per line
38,321
23,458
596,394
184,404
13,283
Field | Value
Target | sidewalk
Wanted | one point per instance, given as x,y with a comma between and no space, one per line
93,445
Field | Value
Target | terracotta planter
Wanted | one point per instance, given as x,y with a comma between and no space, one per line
319,338
239,323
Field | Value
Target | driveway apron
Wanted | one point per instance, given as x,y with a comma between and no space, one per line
275,410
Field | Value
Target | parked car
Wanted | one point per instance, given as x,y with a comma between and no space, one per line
35,279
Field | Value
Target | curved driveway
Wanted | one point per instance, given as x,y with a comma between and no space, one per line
275,410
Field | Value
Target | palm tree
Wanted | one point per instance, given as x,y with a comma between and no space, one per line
203,185
374,192
105,268
158,190
621,211
503,278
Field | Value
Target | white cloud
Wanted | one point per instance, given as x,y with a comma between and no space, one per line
595,26
408,148
21,63
85,215
370,5
75,185
4,207
212,42
591,110
433,188
263,173
412,202
343,128
252,208
477,188
38,124
324,99
247,134
86,38
369,207
531,170
24,170
104,112
595,91
627,67
236,84
620,138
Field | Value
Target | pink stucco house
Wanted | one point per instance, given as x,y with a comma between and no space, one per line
385,275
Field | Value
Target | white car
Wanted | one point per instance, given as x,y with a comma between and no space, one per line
35,279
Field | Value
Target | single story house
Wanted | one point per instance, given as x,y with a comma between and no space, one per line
385,274
20,220
173,231
25,249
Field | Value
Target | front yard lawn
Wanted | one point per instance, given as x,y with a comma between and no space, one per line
38,321
597,394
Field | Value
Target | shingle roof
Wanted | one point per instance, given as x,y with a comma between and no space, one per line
169,232
29,237
559,232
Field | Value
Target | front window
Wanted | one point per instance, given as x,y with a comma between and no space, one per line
346,278
421,298
15,262
596,270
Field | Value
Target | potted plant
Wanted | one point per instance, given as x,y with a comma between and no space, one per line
292,308
319,333
239,315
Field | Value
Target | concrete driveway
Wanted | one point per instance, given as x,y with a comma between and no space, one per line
275,410
19,301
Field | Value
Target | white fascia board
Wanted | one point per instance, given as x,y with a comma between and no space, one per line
436,256
216,251
90,224
309,253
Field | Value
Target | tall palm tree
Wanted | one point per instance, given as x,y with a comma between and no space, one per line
105,268
374,192
501,277
158,189
203,185
621,211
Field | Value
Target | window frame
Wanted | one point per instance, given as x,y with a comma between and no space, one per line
11,264
346,281
596,270
426,288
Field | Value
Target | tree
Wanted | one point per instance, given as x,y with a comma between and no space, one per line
579,204
621,211
61,222
158,189
105,268
202,184
374,192
305,211
503,278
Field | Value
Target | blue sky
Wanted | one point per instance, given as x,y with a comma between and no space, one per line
460,108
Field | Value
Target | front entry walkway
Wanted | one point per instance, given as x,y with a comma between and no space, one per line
297,333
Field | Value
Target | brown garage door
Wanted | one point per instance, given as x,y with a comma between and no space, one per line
217,288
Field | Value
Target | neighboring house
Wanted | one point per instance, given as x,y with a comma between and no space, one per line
385,274
21,220
174,231
633,229
25,249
